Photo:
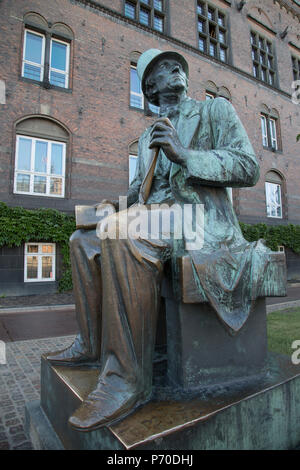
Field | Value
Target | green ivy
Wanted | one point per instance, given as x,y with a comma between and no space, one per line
19,225
274,235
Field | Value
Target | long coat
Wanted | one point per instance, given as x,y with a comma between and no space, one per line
230,273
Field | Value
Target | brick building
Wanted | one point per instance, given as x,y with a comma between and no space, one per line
71,109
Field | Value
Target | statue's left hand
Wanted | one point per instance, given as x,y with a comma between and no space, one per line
164,135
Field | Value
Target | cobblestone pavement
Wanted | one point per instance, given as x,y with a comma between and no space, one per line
19,383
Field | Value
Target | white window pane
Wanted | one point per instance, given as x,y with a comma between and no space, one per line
56,186
273,133
132,167
136,101
40,161
56,159
32,267
273,200
47,268
212,49
32,71
264,131
223,54
144,17
33,48
40,184
201,45
158,23
57,79
24,154
59,56
158,4
135,83
130,10
23,183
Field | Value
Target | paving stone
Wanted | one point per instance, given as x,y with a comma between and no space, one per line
18,386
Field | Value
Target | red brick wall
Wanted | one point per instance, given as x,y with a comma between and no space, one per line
97,112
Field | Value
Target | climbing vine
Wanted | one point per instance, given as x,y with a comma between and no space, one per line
274,235
19,225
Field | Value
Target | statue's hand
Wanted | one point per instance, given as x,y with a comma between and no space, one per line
164,135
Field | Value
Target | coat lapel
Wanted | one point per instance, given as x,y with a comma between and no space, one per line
188,122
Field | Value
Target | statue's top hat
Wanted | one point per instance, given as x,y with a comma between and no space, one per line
149,58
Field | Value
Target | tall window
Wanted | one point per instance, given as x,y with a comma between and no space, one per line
39,262
39,167
296,68
136,94
263,58
35,53
132,166
212,31
270,130
147,12
273,187
137,99
132,162
33,56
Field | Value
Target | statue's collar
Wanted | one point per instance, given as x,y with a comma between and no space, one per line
186,106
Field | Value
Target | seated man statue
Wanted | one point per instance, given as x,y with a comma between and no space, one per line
191,154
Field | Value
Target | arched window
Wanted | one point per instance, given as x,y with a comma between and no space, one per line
270,128
212,91
137,98
40,158
133,156
46,52
274,194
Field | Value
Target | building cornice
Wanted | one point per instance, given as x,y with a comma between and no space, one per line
289,7
93,4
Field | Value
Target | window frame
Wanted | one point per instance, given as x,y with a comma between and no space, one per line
26,61
135,157
272,132
66,73
39,256
212,25
48,38
152,11
263,46
133,93
267,184
32,173
146,106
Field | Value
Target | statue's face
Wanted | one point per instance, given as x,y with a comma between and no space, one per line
167,76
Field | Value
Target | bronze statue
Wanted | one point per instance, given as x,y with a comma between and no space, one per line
190,155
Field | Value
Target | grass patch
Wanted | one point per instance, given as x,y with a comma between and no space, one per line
283,328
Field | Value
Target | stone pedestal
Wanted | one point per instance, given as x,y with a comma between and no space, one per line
201,351
259,415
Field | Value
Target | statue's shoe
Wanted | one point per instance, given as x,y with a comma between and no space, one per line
105,405
73,355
